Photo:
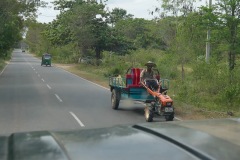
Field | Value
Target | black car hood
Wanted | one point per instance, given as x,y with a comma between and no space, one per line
206,139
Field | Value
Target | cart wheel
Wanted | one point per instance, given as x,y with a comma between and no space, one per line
148,114
115,98
170,117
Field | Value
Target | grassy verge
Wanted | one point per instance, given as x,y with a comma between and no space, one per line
2,64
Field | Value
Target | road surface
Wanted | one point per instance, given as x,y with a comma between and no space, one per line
35,97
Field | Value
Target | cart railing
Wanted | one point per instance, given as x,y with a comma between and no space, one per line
164,83
121,82
117,81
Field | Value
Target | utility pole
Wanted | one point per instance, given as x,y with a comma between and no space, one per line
208,38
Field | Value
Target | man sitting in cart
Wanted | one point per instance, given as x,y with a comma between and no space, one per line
148,76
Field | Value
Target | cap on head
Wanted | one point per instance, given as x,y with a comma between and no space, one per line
150,63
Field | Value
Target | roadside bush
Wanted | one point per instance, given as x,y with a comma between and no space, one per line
2,64
142,56
207,86
114,72
63,54
6,55
3,58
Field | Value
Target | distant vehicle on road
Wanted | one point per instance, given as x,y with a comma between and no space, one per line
46,59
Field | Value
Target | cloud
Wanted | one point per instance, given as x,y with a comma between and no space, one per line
47,14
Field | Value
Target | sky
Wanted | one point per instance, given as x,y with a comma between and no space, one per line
138,8
47,14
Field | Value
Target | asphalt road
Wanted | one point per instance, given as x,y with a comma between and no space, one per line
35,97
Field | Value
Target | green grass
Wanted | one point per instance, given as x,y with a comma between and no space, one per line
2,64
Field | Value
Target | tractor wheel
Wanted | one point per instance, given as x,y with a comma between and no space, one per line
115,98
169,118
148,114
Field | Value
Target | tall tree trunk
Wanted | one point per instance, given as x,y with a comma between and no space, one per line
98,55
233,36
183,72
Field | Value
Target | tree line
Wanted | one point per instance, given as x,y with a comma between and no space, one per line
13,13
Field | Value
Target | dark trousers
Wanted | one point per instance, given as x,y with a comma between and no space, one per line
152,84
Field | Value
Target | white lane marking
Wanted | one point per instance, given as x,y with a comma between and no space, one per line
60,100
38,75
3,69
34,69
49,86
77,119
43,80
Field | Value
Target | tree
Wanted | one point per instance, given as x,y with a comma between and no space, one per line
118,14
223,19
179,9
79,24
12,15
228,12
176,7
35,39
58,32
140,32
89,32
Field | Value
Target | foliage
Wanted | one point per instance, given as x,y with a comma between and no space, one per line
118,14
78,24
223,19
177,7
12,15
142,33
10,26
37,43
58,32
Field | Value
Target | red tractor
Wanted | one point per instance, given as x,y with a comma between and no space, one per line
162,105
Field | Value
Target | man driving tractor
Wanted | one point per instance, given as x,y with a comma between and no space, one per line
148,76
